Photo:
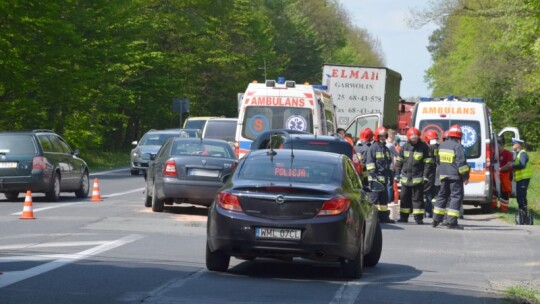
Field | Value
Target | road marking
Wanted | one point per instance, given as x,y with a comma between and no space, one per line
110,171
47,208
46,245
122,193
69,204
13,277
347,293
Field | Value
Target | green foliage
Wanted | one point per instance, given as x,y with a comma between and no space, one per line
102,73
491,49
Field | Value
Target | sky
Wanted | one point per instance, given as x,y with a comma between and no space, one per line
404,48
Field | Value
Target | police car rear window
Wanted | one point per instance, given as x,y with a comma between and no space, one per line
300,171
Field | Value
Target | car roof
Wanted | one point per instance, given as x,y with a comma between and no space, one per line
199,139
222,119
168,131
305,137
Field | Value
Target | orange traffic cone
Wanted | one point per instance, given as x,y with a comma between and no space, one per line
27,213
96,197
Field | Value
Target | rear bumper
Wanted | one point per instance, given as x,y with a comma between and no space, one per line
198,191
37,182
322,238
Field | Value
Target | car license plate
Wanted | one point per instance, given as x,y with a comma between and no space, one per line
10,165
277,233
202,172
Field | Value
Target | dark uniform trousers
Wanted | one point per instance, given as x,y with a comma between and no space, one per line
449,201
414,194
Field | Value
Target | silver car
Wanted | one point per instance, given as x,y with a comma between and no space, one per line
151,142
187,170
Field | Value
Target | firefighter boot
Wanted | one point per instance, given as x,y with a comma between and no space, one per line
384,217
403,217
419,219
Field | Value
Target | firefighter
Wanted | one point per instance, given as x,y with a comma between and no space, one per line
454,174
505,175
522,173
431,187
361,149
378,165
411,170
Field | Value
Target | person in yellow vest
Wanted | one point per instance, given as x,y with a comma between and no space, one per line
522,172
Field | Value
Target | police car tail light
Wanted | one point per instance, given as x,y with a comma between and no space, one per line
335,206
228,201
39,163
170,169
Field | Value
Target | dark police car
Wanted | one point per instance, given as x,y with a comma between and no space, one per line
294,203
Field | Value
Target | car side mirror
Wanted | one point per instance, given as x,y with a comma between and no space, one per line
76,152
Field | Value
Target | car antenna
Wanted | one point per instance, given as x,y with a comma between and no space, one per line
271,152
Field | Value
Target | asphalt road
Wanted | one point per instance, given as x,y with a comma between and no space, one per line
118,251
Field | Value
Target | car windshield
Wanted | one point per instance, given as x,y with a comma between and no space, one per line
198,148
297,171
17,144
260,119
195,124
470,128
156,139
221,129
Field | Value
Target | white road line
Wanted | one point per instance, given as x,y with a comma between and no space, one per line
110,171
347,293
122,193
45,245
69,204
47,208
8,278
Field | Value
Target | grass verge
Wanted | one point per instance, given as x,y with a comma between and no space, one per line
100,160
523,295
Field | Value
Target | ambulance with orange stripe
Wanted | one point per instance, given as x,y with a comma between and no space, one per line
478,140
282,104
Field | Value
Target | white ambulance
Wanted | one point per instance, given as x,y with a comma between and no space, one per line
479,140
282,104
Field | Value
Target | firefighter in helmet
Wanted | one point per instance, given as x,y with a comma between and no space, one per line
454,174
378,165
411,170
361,149
431,187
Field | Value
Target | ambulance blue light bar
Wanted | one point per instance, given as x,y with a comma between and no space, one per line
280,80
320,87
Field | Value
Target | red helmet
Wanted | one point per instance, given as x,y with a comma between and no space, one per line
366,134
412,133
430,134
455,131
445,135
380,131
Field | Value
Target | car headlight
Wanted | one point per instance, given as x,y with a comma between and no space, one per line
135,154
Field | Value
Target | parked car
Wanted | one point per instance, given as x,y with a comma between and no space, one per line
197,122
294,203
151,142
43,162
187,170
221,128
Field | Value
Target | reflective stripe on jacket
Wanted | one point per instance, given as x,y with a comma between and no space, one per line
379,162
453,164
412,164
522,166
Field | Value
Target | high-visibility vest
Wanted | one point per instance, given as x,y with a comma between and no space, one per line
524,173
